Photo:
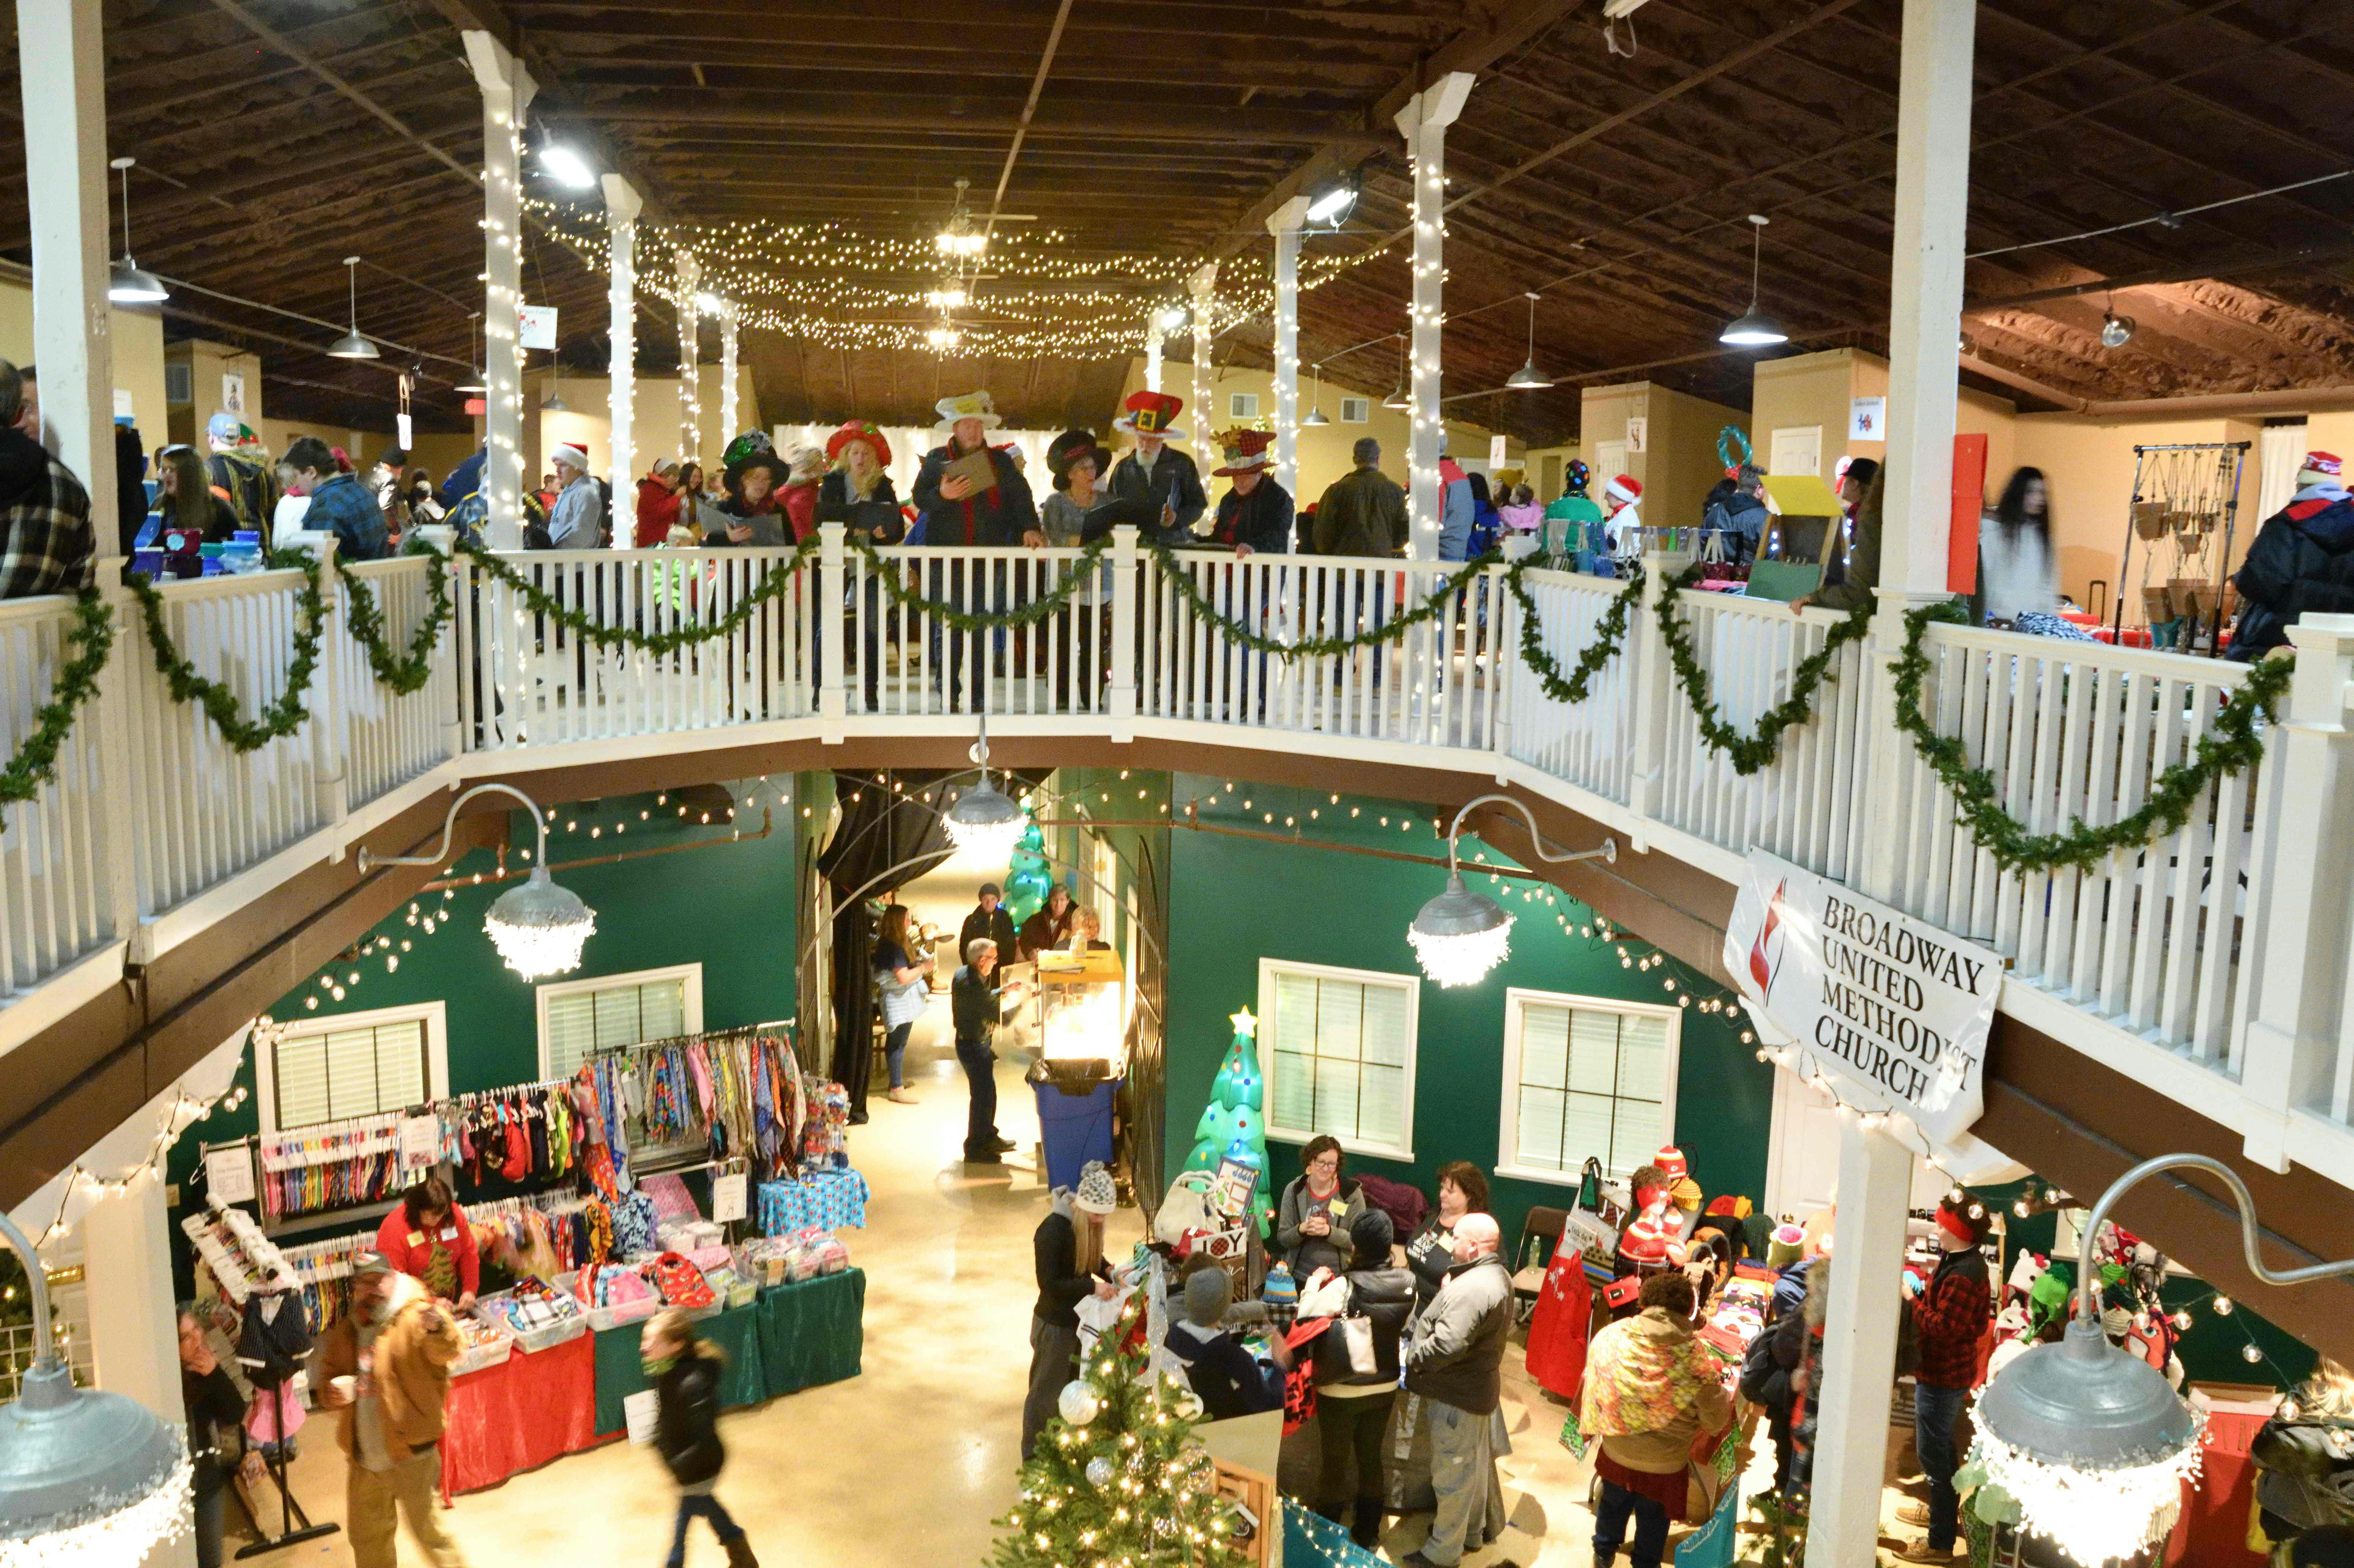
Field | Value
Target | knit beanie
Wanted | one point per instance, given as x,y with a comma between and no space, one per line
1097,1194
1208,1294
1372,1236
1645,1240
1671,1161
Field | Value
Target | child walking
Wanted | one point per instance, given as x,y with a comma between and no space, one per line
685,1370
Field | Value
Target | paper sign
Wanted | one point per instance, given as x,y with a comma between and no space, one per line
1802,495
1637,426
1892,1007
402,425
536,323
420,1141
641,1409
727,1197
233,393
229,1174
1495,451
123,408
1867,418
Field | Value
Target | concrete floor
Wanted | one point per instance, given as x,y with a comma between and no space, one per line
908,1463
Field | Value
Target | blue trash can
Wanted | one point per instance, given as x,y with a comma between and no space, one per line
1075,1128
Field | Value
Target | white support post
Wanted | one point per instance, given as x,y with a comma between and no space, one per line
1875,1188
1201,285
1933,172
2301,941
1284,226
1423,123
134,1335
1125,586
690,361
61,57
1152,351
729,421
507,90
330,731
833,691
622,204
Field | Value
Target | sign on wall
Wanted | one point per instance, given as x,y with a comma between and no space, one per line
536,325
1895,1011
233,393
1867,418
1637,427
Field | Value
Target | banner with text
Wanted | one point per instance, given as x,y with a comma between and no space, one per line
1894,1009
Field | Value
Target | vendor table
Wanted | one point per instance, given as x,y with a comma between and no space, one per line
530,1408
831,1198
790,1337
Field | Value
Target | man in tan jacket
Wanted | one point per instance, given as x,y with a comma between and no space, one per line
388,1361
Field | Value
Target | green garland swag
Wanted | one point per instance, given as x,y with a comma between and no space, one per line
1609,635
1391,630
280,718
2230,746
1749,753
896,583
544,605
406,673
36,762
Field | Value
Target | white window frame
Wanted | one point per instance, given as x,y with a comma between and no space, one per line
1242,405
1364,410
434,1015
1508,1111
1268,969
691,1001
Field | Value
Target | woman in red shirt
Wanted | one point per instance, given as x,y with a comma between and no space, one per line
428,1237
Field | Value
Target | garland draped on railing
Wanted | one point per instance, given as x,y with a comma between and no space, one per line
574,617
408,672
1609,635
2230,747
282,717
1390,631
1031,613
1750,753
36,762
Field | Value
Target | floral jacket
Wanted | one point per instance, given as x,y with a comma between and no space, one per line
1650,1388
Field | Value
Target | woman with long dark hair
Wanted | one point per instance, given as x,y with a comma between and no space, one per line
186,500
904,982
2019,574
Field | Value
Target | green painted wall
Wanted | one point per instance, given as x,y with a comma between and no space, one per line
1235,900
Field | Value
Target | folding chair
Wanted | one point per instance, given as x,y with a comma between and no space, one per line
1528,1280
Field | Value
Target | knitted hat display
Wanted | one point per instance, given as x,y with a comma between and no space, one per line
1731,1204
1278,1290
1151,414
2321,465
1670,1159
1645,1240
1246,451
968,406
1096,1193
1625,488
858,430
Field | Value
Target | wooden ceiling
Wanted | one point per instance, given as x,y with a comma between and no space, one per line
275,137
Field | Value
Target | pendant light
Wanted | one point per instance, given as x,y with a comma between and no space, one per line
1527,378
1398,399
1753,328
553,402
351,345
984,819
1315,400
539,927
1460,934
473,382
128,283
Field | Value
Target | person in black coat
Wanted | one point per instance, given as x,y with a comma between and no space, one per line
989,918
957,512
1352,1407
1071,1232
1166,480
685,1373
2302,560
976,1010
1227,1379
216,1413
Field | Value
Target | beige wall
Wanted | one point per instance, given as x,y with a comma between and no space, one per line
207,362
653,420
1545,467
1815,389
1677,462
138,339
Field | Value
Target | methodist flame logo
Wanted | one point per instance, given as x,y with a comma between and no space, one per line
1765,953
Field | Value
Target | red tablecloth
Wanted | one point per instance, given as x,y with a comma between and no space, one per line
2213,1529
519,1415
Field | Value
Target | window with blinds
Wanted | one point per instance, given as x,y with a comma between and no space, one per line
580,1018
1337,1047
333,1074
1584,1078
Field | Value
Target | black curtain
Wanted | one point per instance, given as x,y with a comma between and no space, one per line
881,828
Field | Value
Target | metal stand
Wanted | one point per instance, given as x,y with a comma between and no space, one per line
290,1534
2195,486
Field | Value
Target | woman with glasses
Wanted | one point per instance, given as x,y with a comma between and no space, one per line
1311,1224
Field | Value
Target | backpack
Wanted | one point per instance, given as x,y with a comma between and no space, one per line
1764,1380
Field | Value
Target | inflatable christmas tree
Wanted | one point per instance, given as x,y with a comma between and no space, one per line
1028,876
1231,1126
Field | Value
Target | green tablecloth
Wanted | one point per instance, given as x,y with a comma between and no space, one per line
790,1337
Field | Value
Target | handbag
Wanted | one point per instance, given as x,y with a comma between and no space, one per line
1593,1224
1622,1292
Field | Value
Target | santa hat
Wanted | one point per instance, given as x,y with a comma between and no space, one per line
1623,488
2320,466
1151,414
568,454
1671,1161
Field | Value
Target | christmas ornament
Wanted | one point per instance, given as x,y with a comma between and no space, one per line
1100,1472
1078,1402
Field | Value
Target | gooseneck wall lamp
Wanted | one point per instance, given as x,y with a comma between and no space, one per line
984,819
539,927
1460,934
2090,1442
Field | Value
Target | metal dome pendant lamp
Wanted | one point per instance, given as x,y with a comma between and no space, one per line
351,345
984,819
1315,400
1460,934
539,927
1398,399
2093,1443
1753,328
88,1479
1527,378
128,283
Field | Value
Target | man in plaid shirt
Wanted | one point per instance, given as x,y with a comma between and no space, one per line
45,541
1949,1317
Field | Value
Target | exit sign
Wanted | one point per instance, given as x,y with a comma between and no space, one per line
475,406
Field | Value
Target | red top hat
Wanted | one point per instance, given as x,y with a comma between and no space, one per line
1246,451
858,430
1151,414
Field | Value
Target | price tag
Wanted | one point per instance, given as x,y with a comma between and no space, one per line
229,1174
420,1141
727,1197
641,1409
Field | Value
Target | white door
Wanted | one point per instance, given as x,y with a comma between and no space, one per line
1802,1156
1796,449
1609,462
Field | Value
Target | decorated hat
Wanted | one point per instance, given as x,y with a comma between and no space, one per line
806,463
1246,451
2328,463
568,454
968,406
744,446
1151,414
1096,1193
1625,488
1670,1159
1577,477
1071,446
858,430
1966,1222
751,451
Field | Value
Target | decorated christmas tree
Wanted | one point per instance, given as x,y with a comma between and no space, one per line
1028,876
1117,1480
1231,1126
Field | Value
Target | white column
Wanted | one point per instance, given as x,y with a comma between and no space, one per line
622,204
1423,123
1875,1187
134,1338
1201,285
690,364
1284,224
729,419
507,90
1152,351
1932,173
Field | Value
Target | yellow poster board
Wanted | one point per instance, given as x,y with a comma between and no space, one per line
1802,495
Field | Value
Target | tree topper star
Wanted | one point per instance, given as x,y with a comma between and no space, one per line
1245,1024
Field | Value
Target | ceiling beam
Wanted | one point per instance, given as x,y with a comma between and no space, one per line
1241,127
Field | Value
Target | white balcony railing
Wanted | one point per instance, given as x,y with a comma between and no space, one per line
2212,958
